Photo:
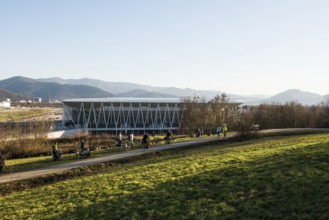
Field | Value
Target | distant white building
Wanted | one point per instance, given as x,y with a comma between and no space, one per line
37,100
5,104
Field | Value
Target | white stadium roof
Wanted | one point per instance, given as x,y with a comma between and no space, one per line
125,99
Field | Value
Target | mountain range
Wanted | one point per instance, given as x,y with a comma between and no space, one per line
4,95
49,90
59,89
127,89
306,98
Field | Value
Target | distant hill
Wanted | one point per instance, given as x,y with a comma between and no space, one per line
124,88
33,88
140,93
303,97
4,95
54,80
88,88
112,87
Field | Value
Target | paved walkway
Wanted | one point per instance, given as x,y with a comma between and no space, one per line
287,130
86,162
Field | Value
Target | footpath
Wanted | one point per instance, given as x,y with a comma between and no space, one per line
60,168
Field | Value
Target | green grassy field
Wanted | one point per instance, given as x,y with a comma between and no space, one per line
21,114
270,178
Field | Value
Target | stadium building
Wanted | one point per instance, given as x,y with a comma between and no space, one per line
122,114
113,115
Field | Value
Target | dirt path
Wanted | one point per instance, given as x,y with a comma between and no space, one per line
86,162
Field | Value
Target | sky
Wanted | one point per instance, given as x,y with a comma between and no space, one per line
241,47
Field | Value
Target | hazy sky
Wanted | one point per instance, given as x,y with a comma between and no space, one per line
234,46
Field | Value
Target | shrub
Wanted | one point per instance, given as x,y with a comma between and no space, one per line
246,130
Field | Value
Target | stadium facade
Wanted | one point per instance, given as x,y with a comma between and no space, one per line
113,115
122,114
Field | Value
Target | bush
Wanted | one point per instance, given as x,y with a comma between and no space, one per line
24,148
246,130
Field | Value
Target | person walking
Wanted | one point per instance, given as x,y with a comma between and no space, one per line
131,137
119,140
2,162
168,137
218,130
145,141
224,131
198,132
54,148
55,152
82,146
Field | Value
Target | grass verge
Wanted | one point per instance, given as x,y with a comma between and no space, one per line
270,178
30,163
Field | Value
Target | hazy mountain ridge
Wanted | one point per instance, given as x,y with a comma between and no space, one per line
112,87
91,88
137,93
124,88
305,98
34,88
4,95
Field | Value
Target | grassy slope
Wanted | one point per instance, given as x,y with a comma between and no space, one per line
280,178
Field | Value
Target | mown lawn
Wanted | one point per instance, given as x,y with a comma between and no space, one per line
272,178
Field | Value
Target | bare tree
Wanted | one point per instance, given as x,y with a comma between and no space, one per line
325,121
190,113
289,115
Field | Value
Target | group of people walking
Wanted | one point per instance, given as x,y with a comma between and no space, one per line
221,129
84,151
144,141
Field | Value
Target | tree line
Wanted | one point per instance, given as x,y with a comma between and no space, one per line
207,115
288,115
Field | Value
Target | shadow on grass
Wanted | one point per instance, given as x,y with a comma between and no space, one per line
289,185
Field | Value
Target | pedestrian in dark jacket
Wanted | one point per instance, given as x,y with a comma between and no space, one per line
2,162
145,141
